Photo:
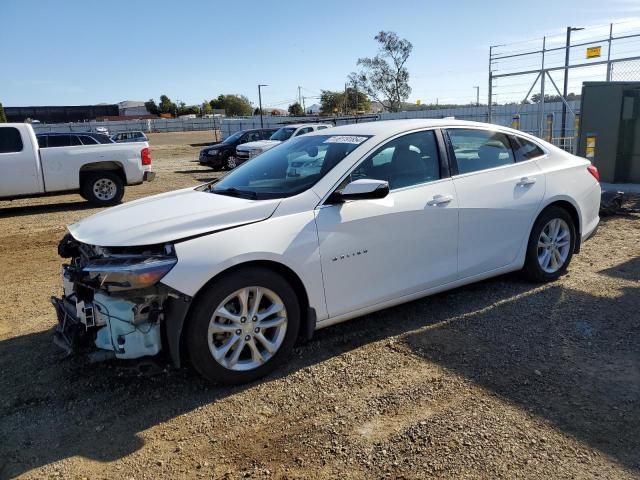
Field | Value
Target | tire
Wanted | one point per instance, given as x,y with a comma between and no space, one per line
230,162
207,332
548,256
102,188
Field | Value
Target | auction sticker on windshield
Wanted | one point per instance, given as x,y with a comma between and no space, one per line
352,139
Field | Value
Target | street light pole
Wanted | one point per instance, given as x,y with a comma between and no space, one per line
567,51
260,102
477,96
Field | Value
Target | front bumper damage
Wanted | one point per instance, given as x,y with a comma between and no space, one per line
122,324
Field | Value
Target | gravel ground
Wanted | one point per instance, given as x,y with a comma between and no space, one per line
501,379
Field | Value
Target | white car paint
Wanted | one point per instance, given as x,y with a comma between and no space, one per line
251,149
34,171
362,255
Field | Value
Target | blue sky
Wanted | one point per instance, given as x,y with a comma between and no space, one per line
82,52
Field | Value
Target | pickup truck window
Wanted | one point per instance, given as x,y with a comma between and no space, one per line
10,140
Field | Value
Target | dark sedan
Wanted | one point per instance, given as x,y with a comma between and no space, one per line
222,155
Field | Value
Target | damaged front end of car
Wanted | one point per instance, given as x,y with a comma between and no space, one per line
113,303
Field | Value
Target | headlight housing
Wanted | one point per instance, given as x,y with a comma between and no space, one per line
127,272
254,152
212,151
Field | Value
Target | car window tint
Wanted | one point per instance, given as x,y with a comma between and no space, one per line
408,160
10,140
302,131
75,140
322,127
59,141
476,150
87,140
525,149
42,141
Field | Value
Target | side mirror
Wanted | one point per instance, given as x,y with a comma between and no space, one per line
363,189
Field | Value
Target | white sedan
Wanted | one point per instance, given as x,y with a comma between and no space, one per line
229,275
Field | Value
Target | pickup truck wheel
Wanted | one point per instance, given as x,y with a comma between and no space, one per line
102,188
243,326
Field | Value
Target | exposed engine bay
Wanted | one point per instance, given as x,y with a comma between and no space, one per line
113,305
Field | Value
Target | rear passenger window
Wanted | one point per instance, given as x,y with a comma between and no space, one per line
86,140
59,141
42,141
476,150
10,140
525,150
75,140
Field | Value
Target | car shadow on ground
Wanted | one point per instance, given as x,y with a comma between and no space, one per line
53,410
23,210
566,356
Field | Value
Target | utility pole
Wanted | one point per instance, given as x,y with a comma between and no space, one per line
567,51
260,85
299,95
344,111
477,95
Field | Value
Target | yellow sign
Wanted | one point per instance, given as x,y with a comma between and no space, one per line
591,147
593,52
418,102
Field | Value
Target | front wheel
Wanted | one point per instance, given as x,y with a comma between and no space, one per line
243,326
230,163
102,188
551,245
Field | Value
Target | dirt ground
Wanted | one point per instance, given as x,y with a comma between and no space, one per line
501,379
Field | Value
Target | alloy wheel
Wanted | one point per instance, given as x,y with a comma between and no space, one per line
231,162
554,244
247,328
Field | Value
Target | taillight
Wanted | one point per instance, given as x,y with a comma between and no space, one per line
593,170
145,156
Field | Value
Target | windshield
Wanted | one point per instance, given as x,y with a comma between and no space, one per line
233,137
289,168
283,134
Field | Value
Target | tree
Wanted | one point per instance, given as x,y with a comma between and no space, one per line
167,106
233,105
334,102
3,117
205,108
385,77
295,109
535,98
151,107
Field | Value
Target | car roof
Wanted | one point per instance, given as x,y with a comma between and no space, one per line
389,128
91,134
298,125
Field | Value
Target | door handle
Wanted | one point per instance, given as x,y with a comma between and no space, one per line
440,200
526,181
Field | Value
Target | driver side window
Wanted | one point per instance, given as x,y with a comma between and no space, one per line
405,161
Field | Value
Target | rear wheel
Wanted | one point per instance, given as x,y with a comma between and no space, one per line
243,326
551,245
102,188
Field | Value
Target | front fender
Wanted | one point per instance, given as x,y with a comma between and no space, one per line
290,240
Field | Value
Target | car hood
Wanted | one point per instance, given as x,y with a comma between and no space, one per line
168,217
259,144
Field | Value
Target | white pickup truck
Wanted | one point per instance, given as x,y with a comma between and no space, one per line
98,172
